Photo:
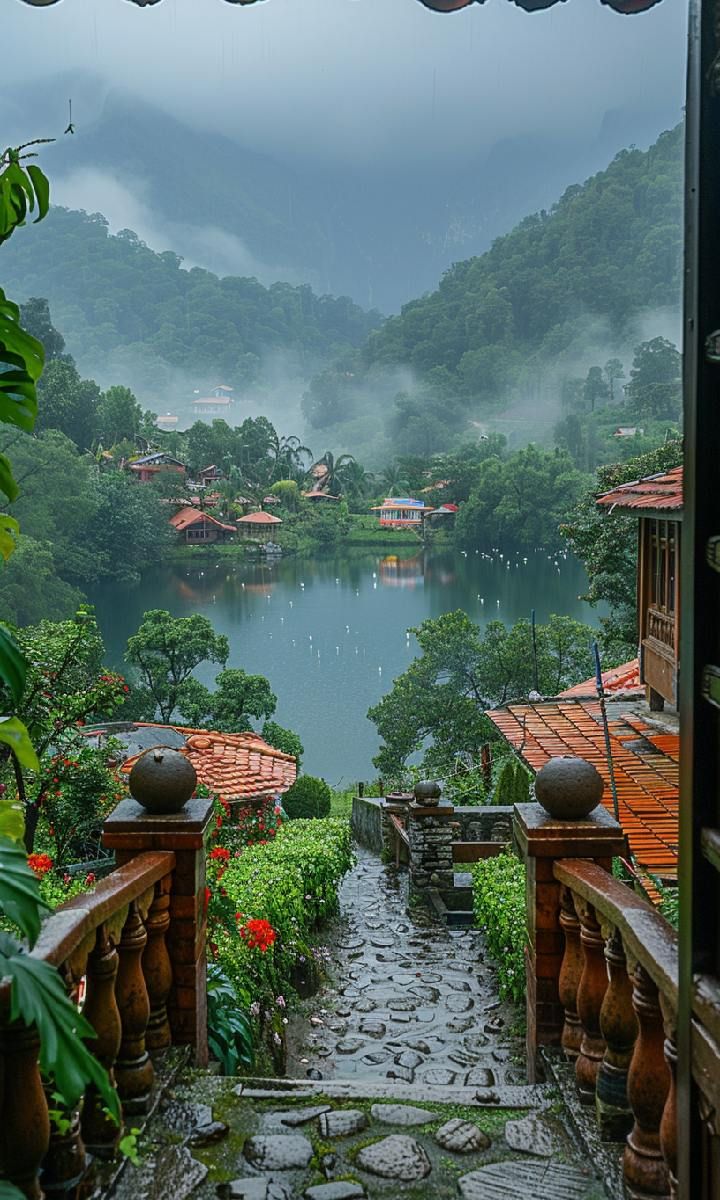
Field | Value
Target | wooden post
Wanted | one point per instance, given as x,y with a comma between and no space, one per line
25,1126
157,968
100,1133
129,831
542,839
133,1068
570,972
591,993
619,1028
646,1175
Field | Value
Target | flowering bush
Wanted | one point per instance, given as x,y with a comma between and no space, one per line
76,790
265,903
499,907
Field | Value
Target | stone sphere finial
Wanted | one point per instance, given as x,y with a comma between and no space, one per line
427,792
568,788
162,780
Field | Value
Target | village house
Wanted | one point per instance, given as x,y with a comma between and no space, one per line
150,466
395,513
657,501
257,524
641,771
196,526
218,402
166,422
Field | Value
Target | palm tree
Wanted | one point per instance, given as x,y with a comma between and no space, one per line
334,471
393,480
358,482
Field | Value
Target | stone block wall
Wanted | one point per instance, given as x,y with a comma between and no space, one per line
366,822
431,840
489,823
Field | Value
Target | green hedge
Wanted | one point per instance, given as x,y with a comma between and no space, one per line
499,908
308,797
292,884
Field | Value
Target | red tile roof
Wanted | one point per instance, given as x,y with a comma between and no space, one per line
194,516
663,492
234,765
260,518
645,762
618,681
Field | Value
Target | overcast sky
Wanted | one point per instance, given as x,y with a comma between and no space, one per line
363,80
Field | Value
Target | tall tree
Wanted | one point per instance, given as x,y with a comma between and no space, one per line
165,651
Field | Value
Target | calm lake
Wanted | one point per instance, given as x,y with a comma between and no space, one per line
330,632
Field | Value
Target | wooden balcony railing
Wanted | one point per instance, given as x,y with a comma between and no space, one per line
662,627
135,947
618,987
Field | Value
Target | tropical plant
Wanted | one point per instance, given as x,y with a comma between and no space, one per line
230,1034
335,478
37,994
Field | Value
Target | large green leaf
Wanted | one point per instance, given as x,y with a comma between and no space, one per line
42,191
9,530
13,668
12,820
8,1191
7,480
14,734
20,898
37,997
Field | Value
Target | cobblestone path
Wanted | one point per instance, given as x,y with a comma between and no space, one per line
408,999
405,1082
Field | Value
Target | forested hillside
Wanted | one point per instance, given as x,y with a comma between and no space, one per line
506,336
608,249
113,295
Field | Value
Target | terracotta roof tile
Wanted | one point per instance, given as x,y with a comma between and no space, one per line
654,493
624,680
645,761
235,765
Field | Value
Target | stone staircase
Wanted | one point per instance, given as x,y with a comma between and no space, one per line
271,1139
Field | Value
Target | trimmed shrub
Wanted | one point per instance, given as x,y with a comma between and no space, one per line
499,908
308,797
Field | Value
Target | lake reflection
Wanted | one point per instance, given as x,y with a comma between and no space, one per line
330,632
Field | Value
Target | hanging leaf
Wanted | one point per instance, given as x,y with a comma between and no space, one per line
13,667
8,1191
14,734
37,997
8,484
9,530
42,191
20,898
12,820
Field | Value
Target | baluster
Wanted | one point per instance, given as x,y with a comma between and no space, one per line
645,1172
100,1133
25,1126
619,1028
668,1124
157,968
65,1163
133,1069
570,972
591,992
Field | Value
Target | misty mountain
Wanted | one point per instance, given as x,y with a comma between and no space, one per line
379,234
131,315
492,345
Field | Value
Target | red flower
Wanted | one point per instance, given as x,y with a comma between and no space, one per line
221,854
40,863
90,877
258,934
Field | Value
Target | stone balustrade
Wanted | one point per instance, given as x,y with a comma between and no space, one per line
138,942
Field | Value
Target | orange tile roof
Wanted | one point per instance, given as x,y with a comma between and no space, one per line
193,516
660,493
624,680
260,518
238,766
645,762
